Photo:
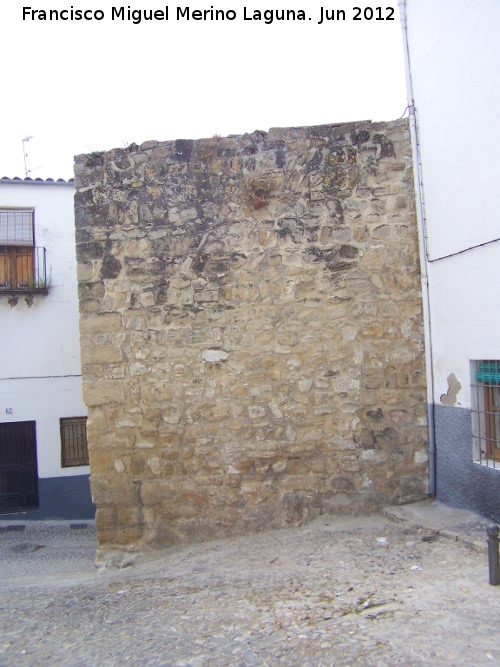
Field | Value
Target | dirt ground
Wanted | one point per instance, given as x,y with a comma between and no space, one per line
361,591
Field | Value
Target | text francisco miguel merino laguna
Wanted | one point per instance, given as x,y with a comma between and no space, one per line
181,14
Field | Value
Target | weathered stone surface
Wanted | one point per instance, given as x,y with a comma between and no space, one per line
98,391
251,328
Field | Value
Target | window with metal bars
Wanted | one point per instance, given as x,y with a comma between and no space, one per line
485,402
74,449
22,265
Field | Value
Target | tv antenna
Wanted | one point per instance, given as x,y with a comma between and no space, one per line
25,155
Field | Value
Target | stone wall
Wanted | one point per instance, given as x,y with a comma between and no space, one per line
251,330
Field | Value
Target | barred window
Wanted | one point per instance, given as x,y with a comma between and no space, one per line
486,412
16,227
16,249
74,450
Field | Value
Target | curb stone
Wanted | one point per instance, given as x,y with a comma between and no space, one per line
435,517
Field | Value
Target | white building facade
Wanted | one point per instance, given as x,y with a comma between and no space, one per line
44,470
453,65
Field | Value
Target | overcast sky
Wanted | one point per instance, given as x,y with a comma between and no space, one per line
88,85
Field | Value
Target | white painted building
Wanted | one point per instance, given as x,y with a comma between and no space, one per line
43,455
453,67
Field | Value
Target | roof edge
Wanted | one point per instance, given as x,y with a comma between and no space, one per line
36,181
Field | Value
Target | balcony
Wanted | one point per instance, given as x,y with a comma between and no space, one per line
23,272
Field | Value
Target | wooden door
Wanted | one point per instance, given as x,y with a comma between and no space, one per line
18,467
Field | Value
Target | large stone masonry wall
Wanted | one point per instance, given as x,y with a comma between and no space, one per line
251,330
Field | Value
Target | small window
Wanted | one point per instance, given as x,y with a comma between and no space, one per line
486,412
74,450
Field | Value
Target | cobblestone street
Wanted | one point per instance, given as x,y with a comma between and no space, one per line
363,591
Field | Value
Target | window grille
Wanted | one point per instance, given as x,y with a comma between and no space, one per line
16,227
74,449
486,412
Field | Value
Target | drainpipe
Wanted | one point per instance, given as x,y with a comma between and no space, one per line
423,249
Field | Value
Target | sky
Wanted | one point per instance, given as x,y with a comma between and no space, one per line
78,86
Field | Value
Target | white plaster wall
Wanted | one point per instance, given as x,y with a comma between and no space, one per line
44,401
455,62
40,374
455,65
465,316
44,339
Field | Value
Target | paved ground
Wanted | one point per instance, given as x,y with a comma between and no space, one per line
367,591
